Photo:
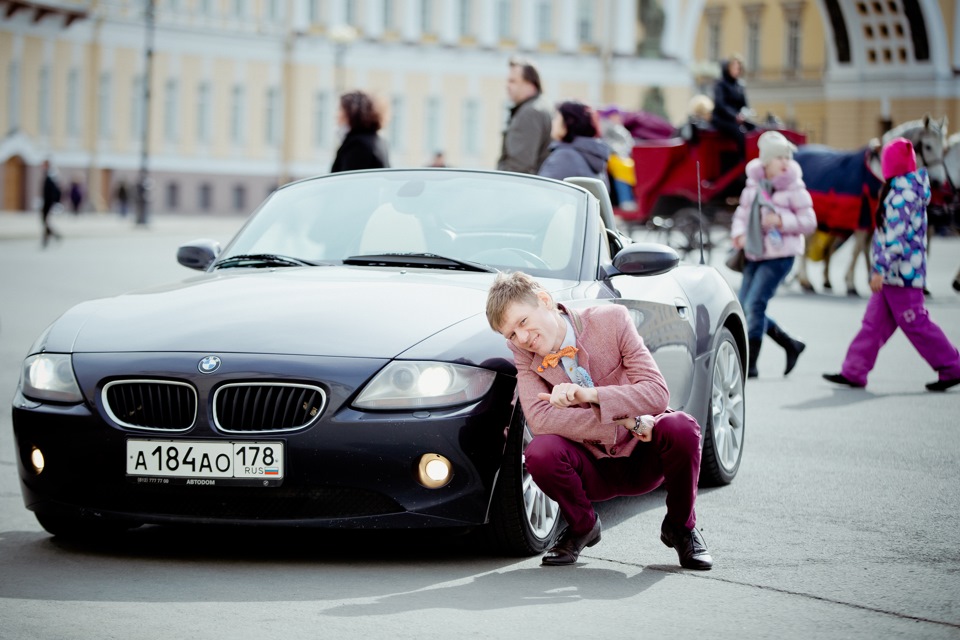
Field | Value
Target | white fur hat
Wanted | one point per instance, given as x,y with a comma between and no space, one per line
773,144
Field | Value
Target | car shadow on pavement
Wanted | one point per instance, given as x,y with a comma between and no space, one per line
239,564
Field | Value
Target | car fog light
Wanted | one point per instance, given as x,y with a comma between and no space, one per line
36,458
434,471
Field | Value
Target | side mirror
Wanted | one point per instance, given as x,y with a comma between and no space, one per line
198,254
645,259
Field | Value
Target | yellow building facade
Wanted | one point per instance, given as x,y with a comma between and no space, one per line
243,93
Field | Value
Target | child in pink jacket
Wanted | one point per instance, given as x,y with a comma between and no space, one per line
775,213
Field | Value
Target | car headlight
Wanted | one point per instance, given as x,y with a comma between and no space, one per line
49,376
423,385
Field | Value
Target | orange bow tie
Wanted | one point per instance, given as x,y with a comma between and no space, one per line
553,359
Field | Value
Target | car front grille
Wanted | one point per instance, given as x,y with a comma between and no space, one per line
159,405
266,407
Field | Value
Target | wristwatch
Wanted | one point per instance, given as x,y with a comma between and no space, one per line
642,424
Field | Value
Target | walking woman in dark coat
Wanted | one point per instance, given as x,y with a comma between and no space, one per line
362,147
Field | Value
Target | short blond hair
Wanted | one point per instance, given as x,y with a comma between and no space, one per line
701,106
506,289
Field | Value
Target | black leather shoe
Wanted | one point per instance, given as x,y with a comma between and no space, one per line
839,378
568,546
942,385
689,544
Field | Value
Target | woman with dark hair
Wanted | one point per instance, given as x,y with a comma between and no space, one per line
576,150
362,146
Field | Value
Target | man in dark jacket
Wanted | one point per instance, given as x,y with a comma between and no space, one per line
51,196
730,104
526,140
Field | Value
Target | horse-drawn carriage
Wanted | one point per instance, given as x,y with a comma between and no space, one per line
672,202
844,184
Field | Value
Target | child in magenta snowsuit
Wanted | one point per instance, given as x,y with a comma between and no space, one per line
899,275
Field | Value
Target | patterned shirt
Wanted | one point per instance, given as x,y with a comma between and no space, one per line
900,245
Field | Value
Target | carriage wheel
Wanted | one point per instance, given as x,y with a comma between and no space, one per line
685,236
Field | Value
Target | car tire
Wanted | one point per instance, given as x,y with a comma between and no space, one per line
79,528
523,520
726,415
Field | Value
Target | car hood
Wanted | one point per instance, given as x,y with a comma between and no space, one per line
333,311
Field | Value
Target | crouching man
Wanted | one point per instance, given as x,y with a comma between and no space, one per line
597,406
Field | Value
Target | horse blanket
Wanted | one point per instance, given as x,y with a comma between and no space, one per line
843,188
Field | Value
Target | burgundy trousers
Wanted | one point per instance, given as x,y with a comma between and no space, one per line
899,307
567,472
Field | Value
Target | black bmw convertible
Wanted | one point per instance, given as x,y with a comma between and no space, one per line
332,366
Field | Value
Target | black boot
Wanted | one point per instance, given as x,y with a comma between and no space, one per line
793,347
752,357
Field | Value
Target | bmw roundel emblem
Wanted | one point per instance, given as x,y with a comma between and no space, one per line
209,364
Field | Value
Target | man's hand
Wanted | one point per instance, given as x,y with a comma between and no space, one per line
569,394
876,282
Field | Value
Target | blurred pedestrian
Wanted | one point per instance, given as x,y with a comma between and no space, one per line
576,150
362,146
51,193
438,160
898,277
122,195
76,196
526,140
730,108
774,215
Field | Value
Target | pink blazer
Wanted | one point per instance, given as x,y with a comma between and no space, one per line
628,383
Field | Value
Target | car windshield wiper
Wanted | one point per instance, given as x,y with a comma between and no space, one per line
422,260
261,260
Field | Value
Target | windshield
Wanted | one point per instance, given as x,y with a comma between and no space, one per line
472,218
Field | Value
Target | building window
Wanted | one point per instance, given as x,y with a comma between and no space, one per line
43,116
713,39
205,197
432,124
13,95
73,103
206,8
465,19
313,11
793,62
350,13
753,45
321,119
504,31
237,109
104,102
239,197
471,127
585,22
170,101
239,9
544,23
203,112
274,10
397,123
273,116
173,196
426,17
389,15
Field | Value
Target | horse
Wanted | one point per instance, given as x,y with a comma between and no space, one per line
845,186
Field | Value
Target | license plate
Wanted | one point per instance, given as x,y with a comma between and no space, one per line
243,460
